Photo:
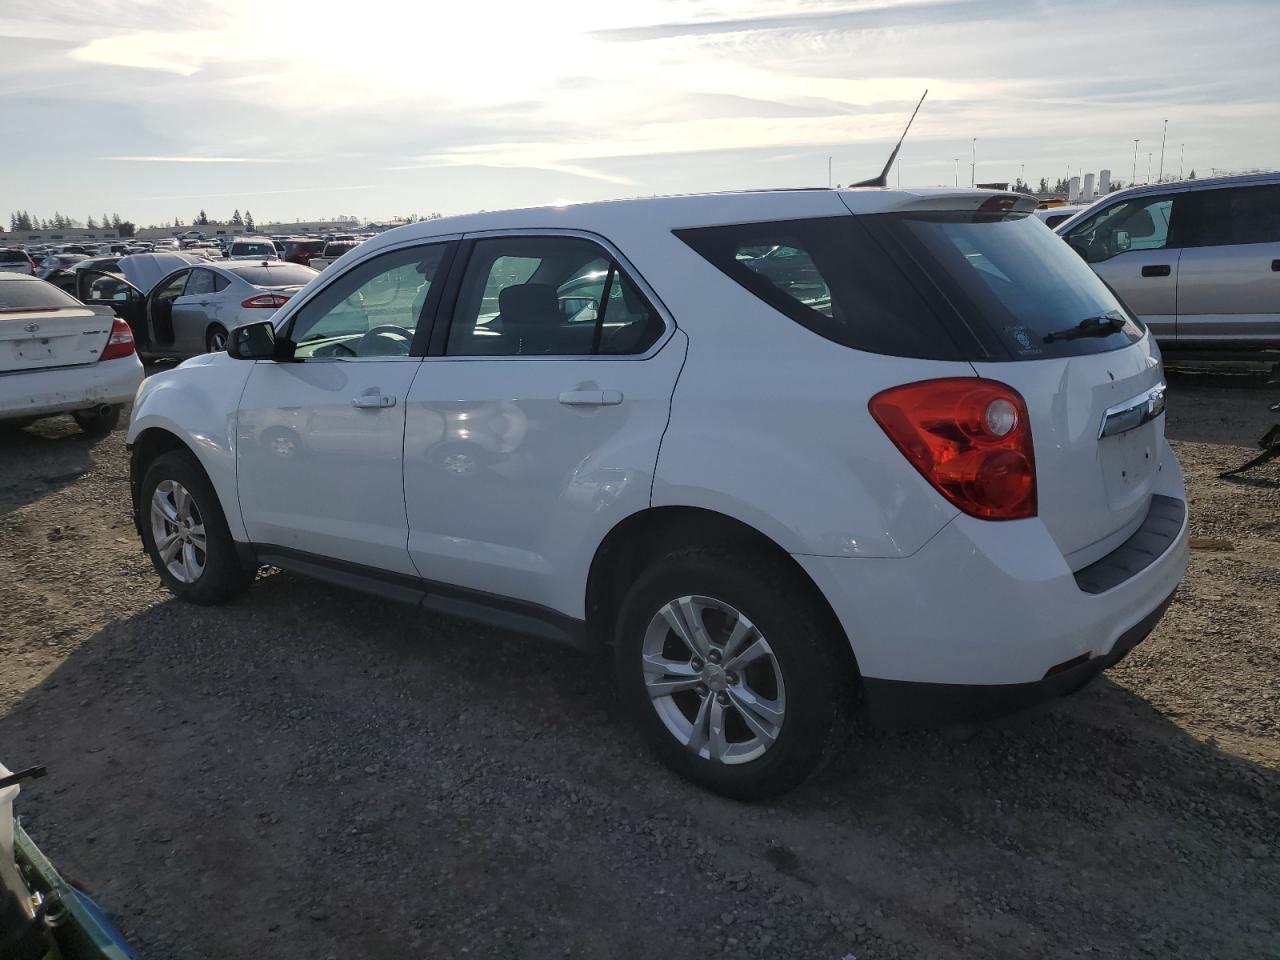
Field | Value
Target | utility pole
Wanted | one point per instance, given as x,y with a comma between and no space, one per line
1163,133
1134,179
973,164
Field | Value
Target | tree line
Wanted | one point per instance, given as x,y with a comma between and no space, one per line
21,220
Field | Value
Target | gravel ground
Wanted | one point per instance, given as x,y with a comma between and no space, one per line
312,773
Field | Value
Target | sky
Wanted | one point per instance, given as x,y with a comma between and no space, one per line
301,110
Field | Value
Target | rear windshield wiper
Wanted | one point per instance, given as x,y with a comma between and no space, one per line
1102,326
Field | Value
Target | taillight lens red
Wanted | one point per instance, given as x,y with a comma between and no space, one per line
970,438
269,301
120,343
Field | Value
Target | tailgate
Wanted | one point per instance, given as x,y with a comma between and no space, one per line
40,339
1093,491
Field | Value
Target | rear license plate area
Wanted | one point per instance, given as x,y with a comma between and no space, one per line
1129,464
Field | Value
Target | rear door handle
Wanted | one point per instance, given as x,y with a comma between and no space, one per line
591,398
1156,270
1275,266
373,401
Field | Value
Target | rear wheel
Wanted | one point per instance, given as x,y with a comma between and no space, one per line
731,665
215,341
185,532
98,422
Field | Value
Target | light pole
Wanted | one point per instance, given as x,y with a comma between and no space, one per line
828,173
973,164
1163,133
1148,166
1134,178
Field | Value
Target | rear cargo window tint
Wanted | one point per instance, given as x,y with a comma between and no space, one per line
830,276
33,295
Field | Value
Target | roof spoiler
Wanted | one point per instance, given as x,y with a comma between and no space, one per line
883,179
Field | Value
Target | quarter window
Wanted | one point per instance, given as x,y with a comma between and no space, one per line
548,296
372,310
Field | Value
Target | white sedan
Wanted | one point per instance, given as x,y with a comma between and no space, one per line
58,355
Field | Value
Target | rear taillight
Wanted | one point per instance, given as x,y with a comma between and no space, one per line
269,301
969,438
120,343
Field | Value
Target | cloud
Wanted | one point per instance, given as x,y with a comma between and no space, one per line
196,159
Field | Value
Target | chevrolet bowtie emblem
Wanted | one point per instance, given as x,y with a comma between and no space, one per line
31,327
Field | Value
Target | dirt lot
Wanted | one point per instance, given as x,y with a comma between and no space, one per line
312,773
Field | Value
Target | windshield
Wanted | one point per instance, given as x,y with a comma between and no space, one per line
1011,277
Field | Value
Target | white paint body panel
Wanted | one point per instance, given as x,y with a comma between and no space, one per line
509,490
38,393
318,474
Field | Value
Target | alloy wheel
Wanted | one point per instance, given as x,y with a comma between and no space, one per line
714,680
177,529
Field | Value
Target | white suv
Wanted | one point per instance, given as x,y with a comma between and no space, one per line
776,451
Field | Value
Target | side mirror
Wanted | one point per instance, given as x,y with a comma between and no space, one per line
257,341
1123,242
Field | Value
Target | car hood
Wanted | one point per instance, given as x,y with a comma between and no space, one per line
145,270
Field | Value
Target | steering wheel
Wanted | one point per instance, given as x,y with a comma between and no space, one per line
370,346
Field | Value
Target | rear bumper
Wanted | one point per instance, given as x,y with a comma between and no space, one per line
903,703
41,393
988,618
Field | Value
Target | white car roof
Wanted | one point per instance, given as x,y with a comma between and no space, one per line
145,270
618,218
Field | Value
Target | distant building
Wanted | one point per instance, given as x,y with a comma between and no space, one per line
61,234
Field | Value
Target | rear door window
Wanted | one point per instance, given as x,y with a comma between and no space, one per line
1231,216
200,283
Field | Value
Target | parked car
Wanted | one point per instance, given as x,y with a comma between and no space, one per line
1052,216
942,482
1197,260
58,355
301,250
181,306
333,249
17,261
56,262
253,248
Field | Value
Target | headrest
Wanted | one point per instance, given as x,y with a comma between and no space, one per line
526,303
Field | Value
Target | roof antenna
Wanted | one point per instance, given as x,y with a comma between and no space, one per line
883,179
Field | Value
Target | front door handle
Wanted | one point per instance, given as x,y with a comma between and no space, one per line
1156,270
1275,266
373,401
591,398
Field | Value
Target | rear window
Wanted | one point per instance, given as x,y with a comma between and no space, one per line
339,248
833,277
1007,276
12,256
303,246
284,275
253,250
33,295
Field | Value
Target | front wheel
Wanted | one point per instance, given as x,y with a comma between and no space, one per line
185,532
733,668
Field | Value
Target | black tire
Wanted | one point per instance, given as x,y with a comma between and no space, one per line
215,339
818,675
98,423
223,575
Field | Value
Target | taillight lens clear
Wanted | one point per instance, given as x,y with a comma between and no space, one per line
120,342
970,438
269,301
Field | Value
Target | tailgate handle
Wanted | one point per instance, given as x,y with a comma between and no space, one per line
1133,413
1156,270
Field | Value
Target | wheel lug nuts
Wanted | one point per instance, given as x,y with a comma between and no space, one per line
714,655
723,699
731,677
696,663
702,689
